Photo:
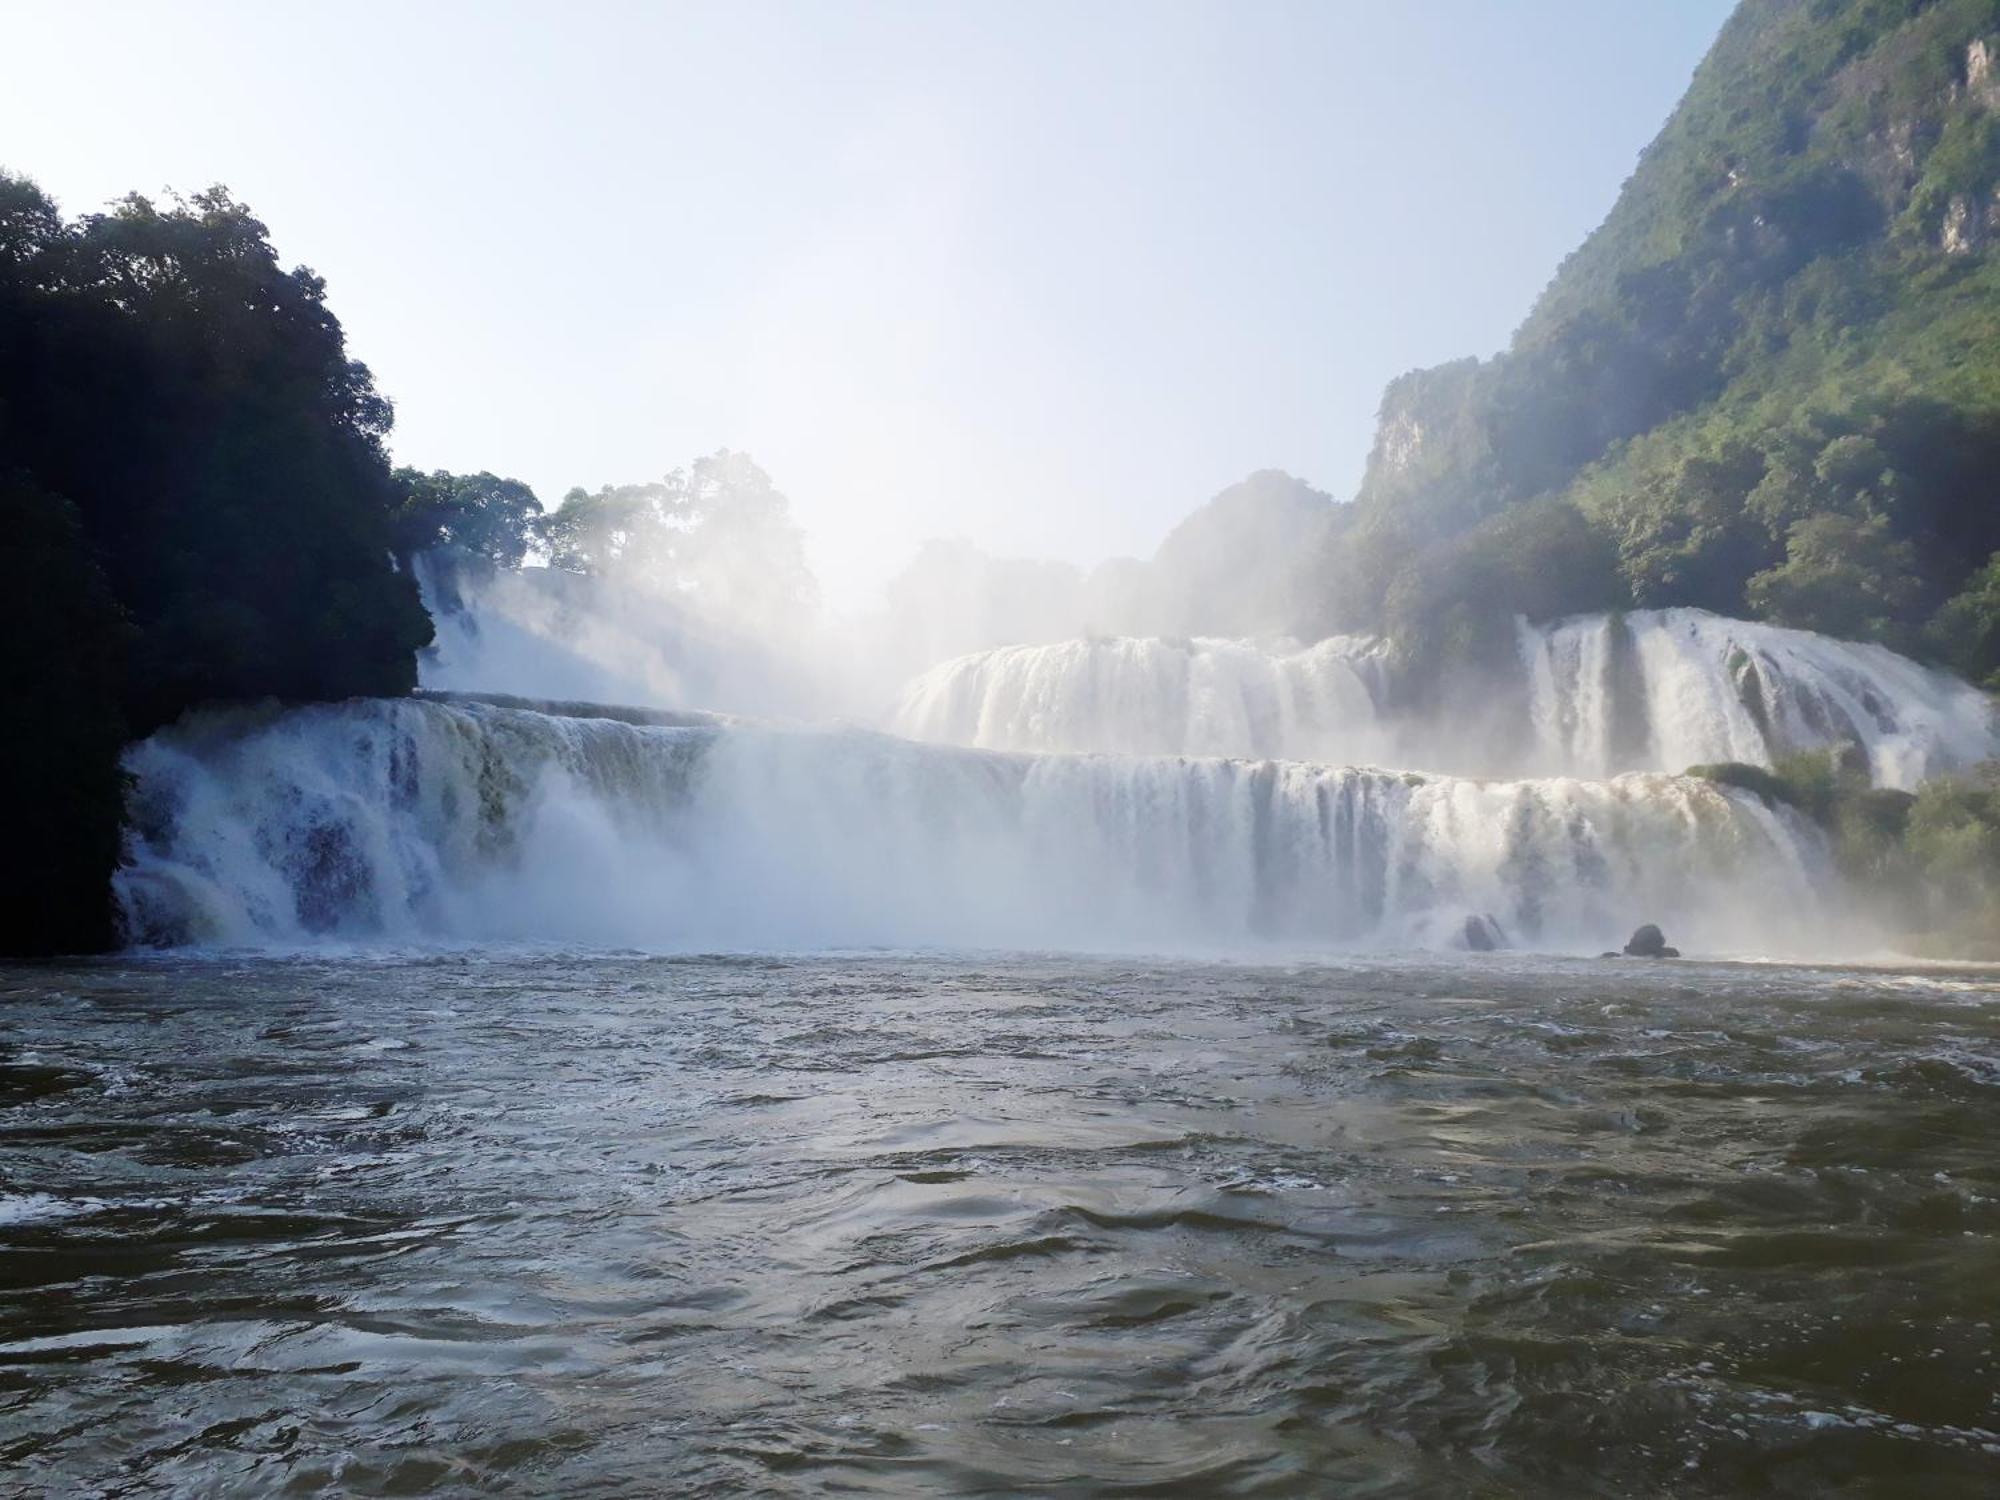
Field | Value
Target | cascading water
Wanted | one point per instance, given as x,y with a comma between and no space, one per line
1676,687
422,820
1158,697
1599,694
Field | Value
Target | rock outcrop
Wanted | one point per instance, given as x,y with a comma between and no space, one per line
1650,942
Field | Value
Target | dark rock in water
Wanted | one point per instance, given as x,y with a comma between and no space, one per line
1482,934
1650,942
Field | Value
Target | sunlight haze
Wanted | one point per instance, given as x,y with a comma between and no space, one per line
1042,277
1192,749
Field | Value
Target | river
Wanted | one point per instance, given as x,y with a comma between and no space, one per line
535,1221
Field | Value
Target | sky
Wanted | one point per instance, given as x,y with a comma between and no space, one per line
1041,276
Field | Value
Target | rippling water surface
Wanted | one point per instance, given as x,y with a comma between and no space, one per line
576,1225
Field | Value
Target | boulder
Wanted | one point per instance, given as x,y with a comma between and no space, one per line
1482,934
1650,942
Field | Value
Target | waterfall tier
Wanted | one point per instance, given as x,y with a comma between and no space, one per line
424,820
1655,690
1139,696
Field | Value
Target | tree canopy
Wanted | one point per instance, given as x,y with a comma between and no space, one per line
196,480
718,534
475,517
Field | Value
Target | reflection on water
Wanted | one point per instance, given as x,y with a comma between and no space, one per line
897,1225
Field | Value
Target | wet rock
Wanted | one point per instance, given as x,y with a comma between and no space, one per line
1482,934
1650,942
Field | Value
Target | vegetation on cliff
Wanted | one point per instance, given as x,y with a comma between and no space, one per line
1930,858
1768,384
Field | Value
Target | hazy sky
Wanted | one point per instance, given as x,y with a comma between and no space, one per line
1043,276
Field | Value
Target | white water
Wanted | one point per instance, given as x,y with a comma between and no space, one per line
1653,690
417,821
1693,687
1130,696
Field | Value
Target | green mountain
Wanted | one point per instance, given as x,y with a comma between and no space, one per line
1768,384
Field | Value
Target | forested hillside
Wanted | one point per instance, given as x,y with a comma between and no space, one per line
1768,384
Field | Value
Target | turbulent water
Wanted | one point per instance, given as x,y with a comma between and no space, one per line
464,821
555,1224
1652,690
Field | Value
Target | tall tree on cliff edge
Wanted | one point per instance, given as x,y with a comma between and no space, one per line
179,420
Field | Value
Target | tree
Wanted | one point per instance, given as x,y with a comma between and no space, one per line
1954,831
1683,534
718,536
620,526
473,517
198,508
1454,603
1843,575
1966,631
741,552
194,401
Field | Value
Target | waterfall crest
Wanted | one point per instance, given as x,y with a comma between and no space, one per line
1654,690
1677,687
434,821
1143,696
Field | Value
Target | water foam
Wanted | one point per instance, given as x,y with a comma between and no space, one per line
1656,690
416,821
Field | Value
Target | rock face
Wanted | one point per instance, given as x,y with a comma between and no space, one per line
1650,942
1482,934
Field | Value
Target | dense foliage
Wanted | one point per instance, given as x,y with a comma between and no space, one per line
718,533
1768,384
475,517
1933,855
60,680
199,508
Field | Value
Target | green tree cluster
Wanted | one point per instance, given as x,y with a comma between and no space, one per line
1934,854
200,508
718,533
474,518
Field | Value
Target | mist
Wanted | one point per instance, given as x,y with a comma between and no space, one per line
706,599
1000,749
1153,754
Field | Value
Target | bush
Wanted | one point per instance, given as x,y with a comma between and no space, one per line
1842,575
1954,833
1965,633
1765,783
1933,856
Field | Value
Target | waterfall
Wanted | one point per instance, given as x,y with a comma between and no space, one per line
1655,690
1160,697
1676,687
421,821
